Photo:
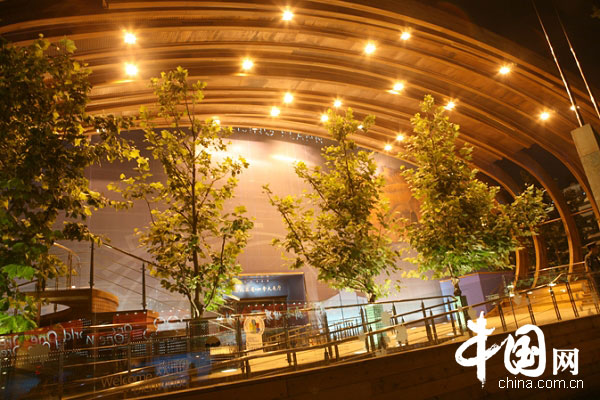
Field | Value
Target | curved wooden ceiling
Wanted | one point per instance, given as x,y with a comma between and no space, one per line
319,56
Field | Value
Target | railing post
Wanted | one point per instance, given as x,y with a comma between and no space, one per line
395,313
372,341
435,337
556,310
501,315
575,311
287,337
327,334
364,326
427,328
453,324
531,315
144,305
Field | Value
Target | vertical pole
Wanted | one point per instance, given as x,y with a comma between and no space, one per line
286,326
395,313
364,326
435,337
556,310
575,311
531,315
427,328
453,324
501,314
144,286
92,266
70,274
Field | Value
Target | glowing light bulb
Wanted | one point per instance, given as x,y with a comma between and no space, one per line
337,103
131,69
324,118
545,116
287,15
360,127
129,38
216,120
405,35
400,137
505,69
370,48
288,98
275,111
398,87
450,105
387,147
247,64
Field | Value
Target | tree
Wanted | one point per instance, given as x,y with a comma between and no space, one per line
461,228
194,241
44,150
342,227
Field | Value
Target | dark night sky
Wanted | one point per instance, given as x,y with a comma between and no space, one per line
516,20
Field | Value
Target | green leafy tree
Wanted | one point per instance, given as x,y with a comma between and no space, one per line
194,241
44,150
342,226
461,228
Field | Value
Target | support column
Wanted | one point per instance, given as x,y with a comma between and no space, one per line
587,143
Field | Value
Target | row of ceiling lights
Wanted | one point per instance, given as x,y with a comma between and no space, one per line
132,70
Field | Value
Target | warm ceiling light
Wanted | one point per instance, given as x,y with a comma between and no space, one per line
216,120
360,127
370,48
337,103
247,64
398,87
129,38
131,69
387,147
287,15
450,105
544,116
275,111
405,35
324,118
572,108
504,70
400,137
288,98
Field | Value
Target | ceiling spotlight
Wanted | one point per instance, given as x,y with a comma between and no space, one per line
288,98
337,103
287,15
131,69
129,38
360,127
398,87
216,120
405,35
450,105
400,137
324,118
387,147
247,64
505,69
370,48
544,116
275,111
